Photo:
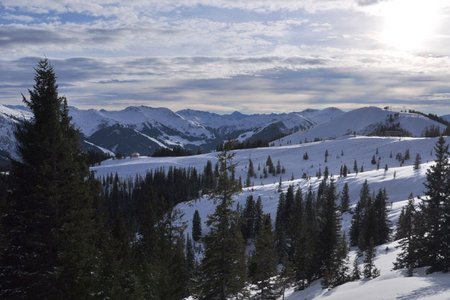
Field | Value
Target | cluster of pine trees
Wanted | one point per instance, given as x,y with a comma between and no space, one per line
424,229
309,241
66,235
370,223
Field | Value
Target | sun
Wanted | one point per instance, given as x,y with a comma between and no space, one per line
409,24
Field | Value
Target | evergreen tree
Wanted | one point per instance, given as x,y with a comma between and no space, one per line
356,272
258,215
269,165
436,211
382,229
196,226
329,237
357,219
251,169
280,228
48,223
417,162
249,219
265,259
345,199
223,266
405,233
370,271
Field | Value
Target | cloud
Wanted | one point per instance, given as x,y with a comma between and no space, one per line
252,55
251,84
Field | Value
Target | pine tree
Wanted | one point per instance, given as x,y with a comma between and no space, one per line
269,165
49,221
357,219
436,210
265,259
356,272
196,226
345,199
341,269
248,219
251,169
382,229
280,228
417,162
370,271
223,266
329,237
405,233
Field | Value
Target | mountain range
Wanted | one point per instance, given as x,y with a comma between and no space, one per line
146,129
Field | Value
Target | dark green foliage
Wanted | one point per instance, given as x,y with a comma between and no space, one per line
175,151
425,232
248,219
209,177
305,156
436,210
406,223
370,219
370,271
251,169
95,157
223,266
49,221
269,165
355,166
417,162
308,237
248,144
356,272
264,259
431,131
345,199
196,226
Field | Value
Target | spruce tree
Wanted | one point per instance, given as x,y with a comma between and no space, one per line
436,210
49,225
382,229
370,271
265,259
417,162
223,266
405,233
196,226
345,199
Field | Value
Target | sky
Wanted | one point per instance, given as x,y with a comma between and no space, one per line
226,55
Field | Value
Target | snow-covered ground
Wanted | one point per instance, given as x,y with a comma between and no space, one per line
391,284
399,182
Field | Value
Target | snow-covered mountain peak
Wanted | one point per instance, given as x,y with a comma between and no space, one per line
364,121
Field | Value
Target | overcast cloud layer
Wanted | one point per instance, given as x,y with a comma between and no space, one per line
225,55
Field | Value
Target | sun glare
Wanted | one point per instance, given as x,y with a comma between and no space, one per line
410,24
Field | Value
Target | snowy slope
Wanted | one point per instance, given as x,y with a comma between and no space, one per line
9,117
389,285
399,181
446,117
361,121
